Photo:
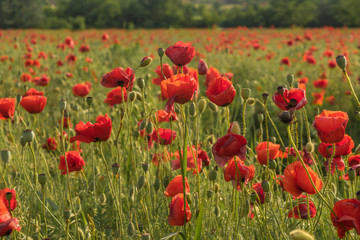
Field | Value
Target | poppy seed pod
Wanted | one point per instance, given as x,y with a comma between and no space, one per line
235,128
22,141
202,105
140,182
341,62
145,166
5,156
149,127
298,234
115,168
217,211
161,52
266,186
286,117
146,61
265,97
156,185
290,79
213,175
245,93
42,179
141,83
209,193
28,136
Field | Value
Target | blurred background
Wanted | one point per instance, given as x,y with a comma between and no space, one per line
130,14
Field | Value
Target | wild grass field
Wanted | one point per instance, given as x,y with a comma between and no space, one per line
103,132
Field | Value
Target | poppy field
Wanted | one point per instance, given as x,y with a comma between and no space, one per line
180,134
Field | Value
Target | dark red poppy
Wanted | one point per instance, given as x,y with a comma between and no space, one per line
116,96
176,186
310,59
7,108
71,58
202,67
342,148
25,77
240,174
221,91
66,122
7,223
286,61
330,125
74,162
50,144
13,202
164,136
32,92
119,77
100,131
33,104
177,213
332,64
181,53
167,70
260,192
192,154
84,48
302,209
293,99
81,89
41,81
104,37
347,216
178,88
262,152
228,146
296,180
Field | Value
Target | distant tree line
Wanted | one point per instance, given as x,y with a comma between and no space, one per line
129,14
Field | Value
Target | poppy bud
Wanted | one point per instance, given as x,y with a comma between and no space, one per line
67,214
202,67
149,128
290,79
22,141
89,101
259,132
146,61
272,164
298,234
42,179
130,229
309,147
141,83
139,96
145,166
245,93
358,195
286,117
201,105
235,128
341,62
115,168
266,186
213,175
5,156
265,97
280,90
18,99
161,52
156,185
216,188
140,182
209,193
217,211
213,107
142,125
250,102
260,117
273,139
28,136
132,96
351,173
253,197
165,181
62,105
145,236
192,109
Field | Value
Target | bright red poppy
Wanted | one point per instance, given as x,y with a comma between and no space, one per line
320,83
41,81
181,53
238,174
81,89
293,99
260,192
7,223
302,209
32,92
192,154
342,148
176,186
74,162
116,96
178,88
165,116
50,144
221,91
211,75
262,152
167,70
33,104
176,208
164,136
337,163
13,202
119,77
7,108
347,216
330,125
100,131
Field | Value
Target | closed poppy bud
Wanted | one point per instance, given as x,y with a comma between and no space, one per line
28,136
145,166
213,175
299,234
146,61
42,179
149,127
265,97
62,105
209,193
309,147
141,83
245,93
273,139
260,117
217,211
213,107
341,61
67,214
253,197
202,105
192,109
165,181
139,96
89,101
351,173
266,186
140,182
5,156
132,96
130,230
156,184
272,164
115,168
290,79
161,52
202,67
235,128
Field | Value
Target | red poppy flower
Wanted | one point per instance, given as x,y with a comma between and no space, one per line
176,207
318,97
286,61
211,75
25,77
221,91
238,174
262,151
41,81
260,192
165,116
342,148
293,99
104,37
116,96
50,144
202,67
164,136
178,88
191,151
301,210
7,223
332,64
176,186
320,83
33,92
168,72
13,202
33,104
303,80
66,122
347,216
296,180
228,146
160,157
310,59
84,48
74,162
119,77
337,162
7,108
100,131
81,89
330,125
181,53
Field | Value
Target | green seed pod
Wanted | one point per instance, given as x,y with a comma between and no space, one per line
260,117
290,79
115,168
18,99
22,141
165,181
149,128
161,52
272,164
341,62
259,132
235,128
130,230
250,102
89,101
299,234
266,186
213,107
146,236
265,97
273,139
28,136
156,185
253,197
202,105
67,214
5,156
351,173
209,193
141,83
142,125
146,61
139,96
145,167
309,147
245,93
213,175
132,96
217,211
140,182
192,109
286,117
42,179
62,105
